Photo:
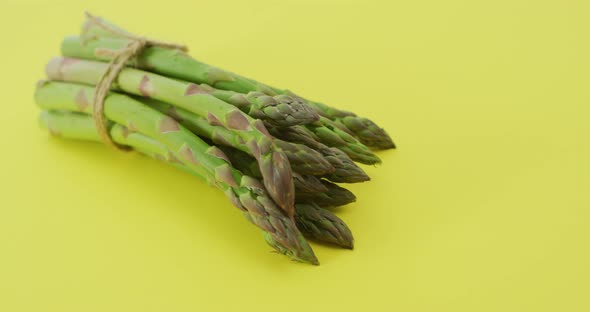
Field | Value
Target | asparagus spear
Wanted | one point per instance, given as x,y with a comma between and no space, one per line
323,225
245,192
273,163
303,159
334,195
329,134
308,189
345,170
329,131
365,130
313,221
80,127
306,184
247,164
179,65
280,110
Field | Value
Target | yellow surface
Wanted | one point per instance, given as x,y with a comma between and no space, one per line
484,206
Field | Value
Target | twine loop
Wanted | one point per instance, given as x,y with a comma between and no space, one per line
119,58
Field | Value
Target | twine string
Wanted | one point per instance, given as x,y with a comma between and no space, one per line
115,66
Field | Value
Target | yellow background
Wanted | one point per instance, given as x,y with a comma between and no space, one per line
484,206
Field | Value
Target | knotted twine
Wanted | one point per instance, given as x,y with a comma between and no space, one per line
119,58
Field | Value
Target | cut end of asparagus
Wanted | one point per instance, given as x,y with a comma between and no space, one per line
96,26
52,68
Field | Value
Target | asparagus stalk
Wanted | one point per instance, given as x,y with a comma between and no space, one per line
75,126
280,110
273,163
245,192
323,225
306,184
303,159
329,134
365,130
180,65
245,163
314,222
308,189
328,130
319,225
334,195
345,170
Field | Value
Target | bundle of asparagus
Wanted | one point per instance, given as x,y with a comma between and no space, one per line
275,155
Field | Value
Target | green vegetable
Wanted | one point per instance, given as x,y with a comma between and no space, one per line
179,65
322,225
308,189
334,195
329,134
274,165
345,170
280,110
209,162
303,159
